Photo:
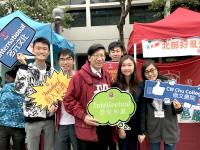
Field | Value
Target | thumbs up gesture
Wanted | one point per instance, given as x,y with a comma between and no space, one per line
157,90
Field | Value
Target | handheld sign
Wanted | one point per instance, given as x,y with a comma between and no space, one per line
51,91
112,107
111,67
15,37
167,92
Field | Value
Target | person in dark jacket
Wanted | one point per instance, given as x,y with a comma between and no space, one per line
158,118
127,81
84,84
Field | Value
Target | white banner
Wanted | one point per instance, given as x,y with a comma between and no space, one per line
171,47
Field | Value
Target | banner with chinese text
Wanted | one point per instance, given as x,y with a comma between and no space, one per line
171,47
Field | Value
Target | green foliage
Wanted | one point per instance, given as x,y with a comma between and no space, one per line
158,5
191,4
3,10
39,10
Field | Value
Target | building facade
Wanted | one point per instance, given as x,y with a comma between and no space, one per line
95,22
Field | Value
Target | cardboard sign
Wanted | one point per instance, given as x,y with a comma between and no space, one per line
111,67
51,91
15,37
112,107
168,92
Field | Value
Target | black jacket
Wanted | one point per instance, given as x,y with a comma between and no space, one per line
159,129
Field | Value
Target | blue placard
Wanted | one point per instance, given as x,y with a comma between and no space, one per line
15,37
168,92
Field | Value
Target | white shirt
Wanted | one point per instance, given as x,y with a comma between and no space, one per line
66,118
98,72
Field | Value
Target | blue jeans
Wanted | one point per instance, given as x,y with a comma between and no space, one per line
65,137
156,146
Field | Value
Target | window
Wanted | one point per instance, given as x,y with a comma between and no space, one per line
107,16
103,1
74,2
81,59
79,17
142,14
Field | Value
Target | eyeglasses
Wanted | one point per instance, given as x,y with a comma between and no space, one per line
99,55
152,70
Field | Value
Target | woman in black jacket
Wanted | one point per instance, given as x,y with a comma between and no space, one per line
127,81
158,118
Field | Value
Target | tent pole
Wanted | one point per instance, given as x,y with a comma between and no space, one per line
51,56
135,52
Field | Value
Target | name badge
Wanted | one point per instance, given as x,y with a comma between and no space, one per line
159,114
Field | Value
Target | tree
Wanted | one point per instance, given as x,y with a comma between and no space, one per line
191,4
158,5
3,9
39,10
125,9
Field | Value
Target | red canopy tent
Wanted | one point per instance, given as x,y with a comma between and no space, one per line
182,23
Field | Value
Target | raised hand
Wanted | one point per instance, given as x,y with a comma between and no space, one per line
21,58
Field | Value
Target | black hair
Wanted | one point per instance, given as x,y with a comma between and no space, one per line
94,48
121,81
147,63
114,44
42,40
65,52
13,72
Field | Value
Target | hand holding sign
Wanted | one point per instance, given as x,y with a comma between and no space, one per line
122,133
176,104
90,121
21,58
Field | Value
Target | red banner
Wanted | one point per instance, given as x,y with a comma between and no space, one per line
111,67
185,72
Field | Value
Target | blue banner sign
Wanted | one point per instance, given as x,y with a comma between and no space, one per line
15,37
168,92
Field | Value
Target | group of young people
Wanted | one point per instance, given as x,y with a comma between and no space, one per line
73,125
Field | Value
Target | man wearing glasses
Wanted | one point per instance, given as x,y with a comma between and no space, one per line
90,79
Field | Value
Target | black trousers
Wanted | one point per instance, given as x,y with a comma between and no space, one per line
104,134
18,137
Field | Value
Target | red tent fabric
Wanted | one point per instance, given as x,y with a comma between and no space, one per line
182,23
